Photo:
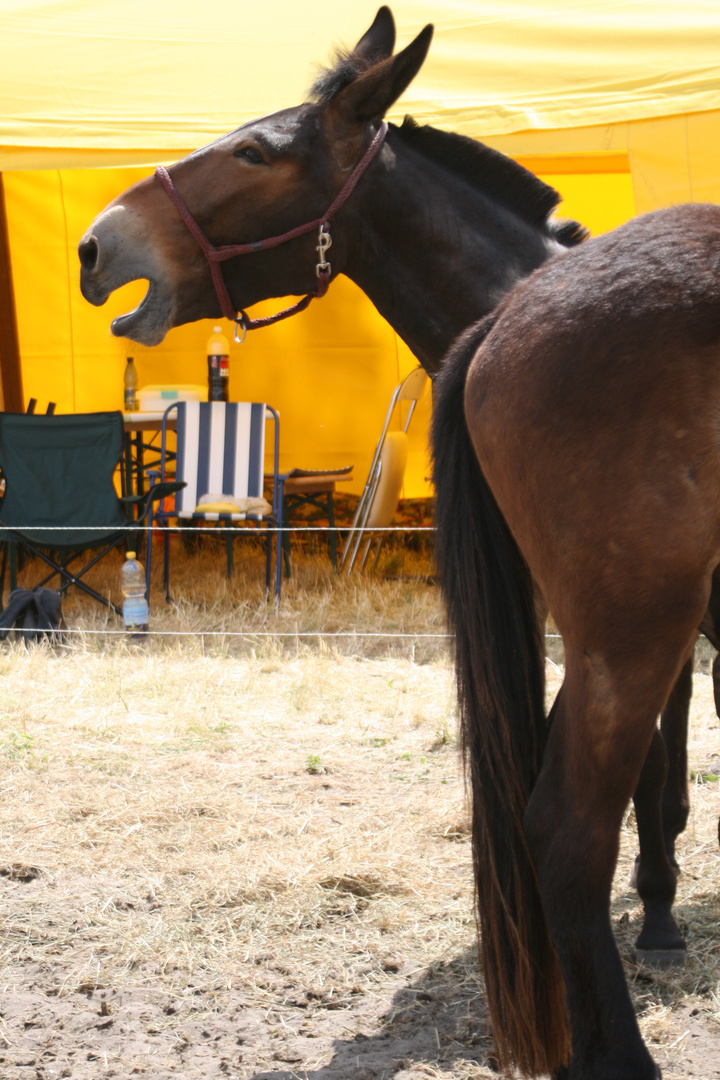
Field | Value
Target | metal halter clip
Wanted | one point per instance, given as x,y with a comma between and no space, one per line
324,242
240,321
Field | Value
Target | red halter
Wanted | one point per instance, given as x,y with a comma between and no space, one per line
217,255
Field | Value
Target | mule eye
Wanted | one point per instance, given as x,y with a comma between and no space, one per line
249,153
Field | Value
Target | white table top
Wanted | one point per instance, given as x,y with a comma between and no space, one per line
148,421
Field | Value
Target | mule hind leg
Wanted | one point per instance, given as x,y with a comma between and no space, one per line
662,808
603,726
674,727
673,794
660,943
710,627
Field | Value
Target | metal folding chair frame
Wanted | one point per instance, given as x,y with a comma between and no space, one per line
67,577
404,391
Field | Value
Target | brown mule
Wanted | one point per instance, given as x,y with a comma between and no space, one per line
437,231
591,461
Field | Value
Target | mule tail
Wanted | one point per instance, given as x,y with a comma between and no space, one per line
489,596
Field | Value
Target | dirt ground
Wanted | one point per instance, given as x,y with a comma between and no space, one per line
258,867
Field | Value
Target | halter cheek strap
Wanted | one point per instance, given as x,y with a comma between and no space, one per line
217,255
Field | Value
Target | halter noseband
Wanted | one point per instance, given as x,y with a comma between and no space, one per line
216,255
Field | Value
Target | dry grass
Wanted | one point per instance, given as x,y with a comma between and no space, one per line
250,859
219,831
315,601
223,779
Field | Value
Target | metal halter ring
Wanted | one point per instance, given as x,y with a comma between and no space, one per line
240,321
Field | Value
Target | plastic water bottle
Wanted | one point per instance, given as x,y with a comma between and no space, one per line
135,606
218,355
130,382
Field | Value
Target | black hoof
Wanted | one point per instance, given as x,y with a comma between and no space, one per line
660,943
563,1073
661,959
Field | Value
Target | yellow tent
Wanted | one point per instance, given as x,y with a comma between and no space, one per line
616,103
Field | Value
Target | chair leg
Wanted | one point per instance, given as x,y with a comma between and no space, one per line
332,535
381,541
140,464
268,555
60,562
13,566
284,539
57,569
366,553
278,557
68,578
2,575
229,536
64,579
148,555
89,591
166,565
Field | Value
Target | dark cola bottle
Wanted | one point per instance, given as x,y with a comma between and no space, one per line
218,354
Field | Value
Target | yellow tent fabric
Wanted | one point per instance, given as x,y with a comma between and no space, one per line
614,102
93,75
330,371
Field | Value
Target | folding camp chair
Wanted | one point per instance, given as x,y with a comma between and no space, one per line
60,499
381,494
219,451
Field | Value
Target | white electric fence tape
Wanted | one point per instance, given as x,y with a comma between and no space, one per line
228,528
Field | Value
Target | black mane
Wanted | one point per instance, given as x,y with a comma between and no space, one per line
495,174
498,176
331,80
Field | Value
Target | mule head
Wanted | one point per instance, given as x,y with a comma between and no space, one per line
267,177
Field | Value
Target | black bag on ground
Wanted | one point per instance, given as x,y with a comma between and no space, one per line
35,613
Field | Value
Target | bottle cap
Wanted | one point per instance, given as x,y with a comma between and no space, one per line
129,554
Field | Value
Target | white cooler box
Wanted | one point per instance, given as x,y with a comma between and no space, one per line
157,398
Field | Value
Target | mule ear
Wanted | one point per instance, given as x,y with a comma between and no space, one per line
371,94
378,42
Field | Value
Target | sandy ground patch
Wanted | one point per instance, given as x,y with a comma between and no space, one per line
239,866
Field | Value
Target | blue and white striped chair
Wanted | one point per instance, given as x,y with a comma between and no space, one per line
220,450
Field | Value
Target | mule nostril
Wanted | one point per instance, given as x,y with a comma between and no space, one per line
88,252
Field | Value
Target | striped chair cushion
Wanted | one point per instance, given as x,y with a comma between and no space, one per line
221,448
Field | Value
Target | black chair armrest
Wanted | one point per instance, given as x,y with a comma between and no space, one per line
164,488
158,491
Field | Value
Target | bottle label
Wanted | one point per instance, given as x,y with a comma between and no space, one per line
218,376
131,402
135,614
